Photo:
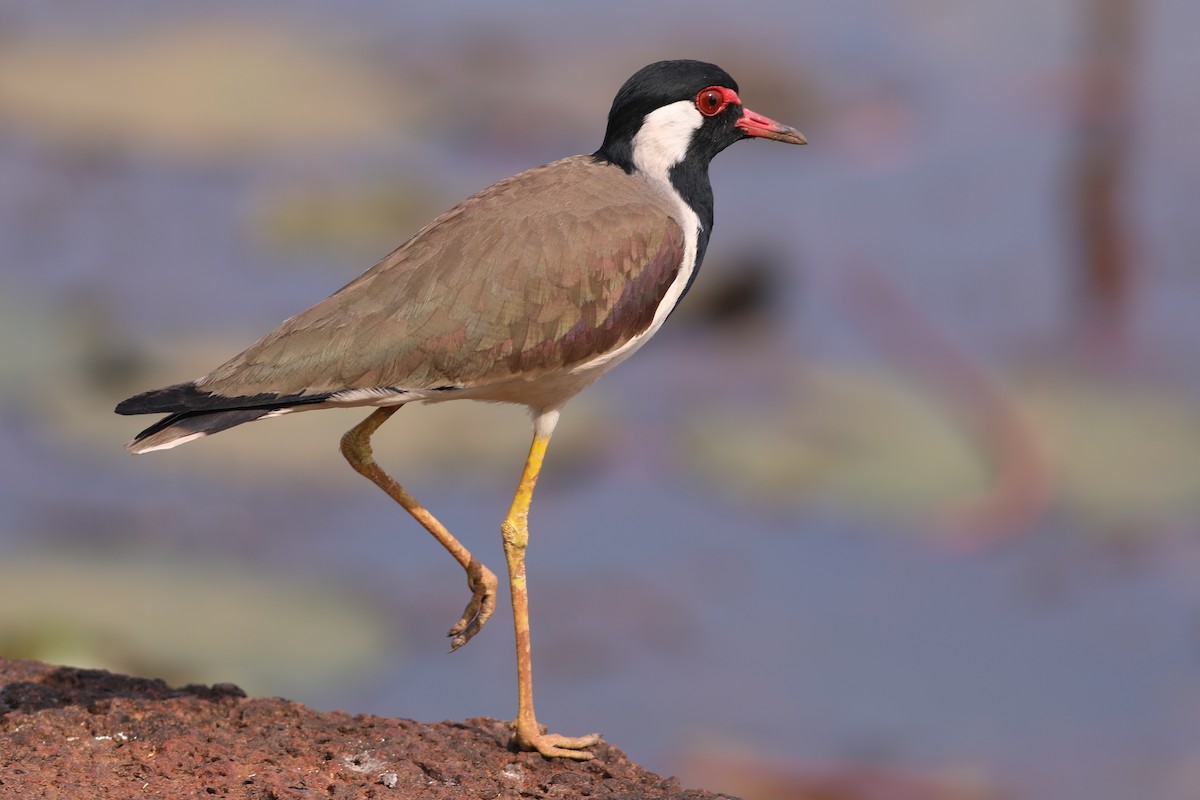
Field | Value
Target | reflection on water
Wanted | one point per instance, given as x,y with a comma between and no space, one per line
740,544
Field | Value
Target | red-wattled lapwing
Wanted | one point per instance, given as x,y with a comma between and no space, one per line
525,293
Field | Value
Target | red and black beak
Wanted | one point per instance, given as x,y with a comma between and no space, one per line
751,123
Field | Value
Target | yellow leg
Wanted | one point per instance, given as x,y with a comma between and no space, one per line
356,447
515,532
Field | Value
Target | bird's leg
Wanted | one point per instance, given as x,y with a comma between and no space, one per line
515,532
356,447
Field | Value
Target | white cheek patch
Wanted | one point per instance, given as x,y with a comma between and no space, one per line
663,139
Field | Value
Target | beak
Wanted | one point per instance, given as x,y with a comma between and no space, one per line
752,123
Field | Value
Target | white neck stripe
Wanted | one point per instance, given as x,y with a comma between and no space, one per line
662,141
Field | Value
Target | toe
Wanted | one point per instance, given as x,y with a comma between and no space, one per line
552,745
482,582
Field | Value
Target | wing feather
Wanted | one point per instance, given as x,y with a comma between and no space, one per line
537,273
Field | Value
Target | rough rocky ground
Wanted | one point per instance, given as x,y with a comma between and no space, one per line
77,733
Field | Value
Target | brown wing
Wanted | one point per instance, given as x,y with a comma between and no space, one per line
542,271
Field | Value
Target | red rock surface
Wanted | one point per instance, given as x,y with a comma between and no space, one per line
77,733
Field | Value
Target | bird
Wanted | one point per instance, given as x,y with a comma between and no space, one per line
525,293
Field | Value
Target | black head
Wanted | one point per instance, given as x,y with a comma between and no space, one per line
669,120
699,114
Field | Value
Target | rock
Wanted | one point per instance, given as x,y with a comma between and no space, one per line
67,732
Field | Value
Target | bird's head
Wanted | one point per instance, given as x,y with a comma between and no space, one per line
674,112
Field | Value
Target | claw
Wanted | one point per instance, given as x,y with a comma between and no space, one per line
552,745
482,582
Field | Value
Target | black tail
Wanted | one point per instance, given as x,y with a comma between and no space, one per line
195,413
188,425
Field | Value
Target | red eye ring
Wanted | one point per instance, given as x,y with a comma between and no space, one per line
715,99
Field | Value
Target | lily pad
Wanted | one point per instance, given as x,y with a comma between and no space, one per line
189,622
1119,449
365,220
840,436
216,87
1117,452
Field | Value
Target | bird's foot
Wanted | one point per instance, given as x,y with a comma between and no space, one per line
482,582
551,745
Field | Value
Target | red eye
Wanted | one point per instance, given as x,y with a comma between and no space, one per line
712,101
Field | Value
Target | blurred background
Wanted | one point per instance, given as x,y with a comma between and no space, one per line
902,503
